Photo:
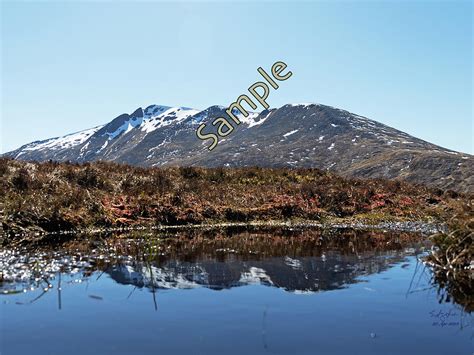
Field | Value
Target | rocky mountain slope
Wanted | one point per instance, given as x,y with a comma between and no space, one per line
294,135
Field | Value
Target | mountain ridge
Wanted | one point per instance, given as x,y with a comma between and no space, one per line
294,135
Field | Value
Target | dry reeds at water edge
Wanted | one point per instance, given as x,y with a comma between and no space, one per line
454,249
452,259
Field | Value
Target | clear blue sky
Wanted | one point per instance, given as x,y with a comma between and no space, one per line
68,66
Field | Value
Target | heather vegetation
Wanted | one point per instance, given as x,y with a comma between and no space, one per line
51,196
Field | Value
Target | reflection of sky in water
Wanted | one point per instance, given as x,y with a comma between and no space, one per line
370,304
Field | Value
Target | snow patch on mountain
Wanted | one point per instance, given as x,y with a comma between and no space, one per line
249,120
167,117
103,146
305,104
260,121
290,133
64,142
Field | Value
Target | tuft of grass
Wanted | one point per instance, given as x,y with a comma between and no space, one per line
455,249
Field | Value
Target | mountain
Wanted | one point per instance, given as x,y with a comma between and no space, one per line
294,135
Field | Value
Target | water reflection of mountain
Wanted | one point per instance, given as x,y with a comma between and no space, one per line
295,260
296,274
305,260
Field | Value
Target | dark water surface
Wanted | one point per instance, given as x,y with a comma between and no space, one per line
238,293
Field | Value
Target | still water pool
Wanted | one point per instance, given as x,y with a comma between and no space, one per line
238,293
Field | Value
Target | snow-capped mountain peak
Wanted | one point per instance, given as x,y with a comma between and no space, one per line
294,135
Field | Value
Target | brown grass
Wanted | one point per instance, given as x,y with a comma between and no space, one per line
52,196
